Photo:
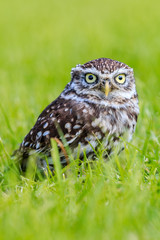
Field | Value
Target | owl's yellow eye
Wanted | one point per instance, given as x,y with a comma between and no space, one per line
120,78
90,78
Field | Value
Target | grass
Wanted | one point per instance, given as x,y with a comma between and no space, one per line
40,41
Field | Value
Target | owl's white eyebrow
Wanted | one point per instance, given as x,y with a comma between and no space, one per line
106,73
119,71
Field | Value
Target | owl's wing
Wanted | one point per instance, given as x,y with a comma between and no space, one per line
67,118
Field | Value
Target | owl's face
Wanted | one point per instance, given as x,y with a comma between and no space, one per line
103,79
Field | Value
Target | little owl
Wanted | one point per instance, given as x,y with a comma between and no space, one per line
98,107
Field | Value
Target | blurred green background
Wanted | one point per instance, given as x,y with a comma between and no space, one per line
40,41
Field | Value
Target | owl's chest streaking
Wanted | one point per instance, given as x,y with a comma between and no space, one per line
108,128
86,126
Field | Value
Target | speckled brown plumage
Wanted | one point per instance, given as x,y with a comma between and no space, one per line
103,64
86,113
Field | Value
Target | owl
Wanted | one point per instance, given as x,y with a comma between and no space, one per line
97,108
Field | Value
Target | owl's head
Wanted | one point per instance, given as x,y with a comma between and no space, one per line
103,78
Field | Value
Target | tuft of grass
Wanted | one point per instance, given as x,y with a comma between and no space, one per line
40,42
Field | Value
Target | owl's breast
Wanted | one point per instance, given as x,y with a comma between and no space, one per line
116,122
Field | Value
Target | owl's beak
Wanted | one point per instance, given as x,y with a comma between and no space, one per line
107,88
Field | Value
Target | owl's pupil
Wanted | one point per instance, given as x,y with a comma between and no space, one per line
90,77
120,78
